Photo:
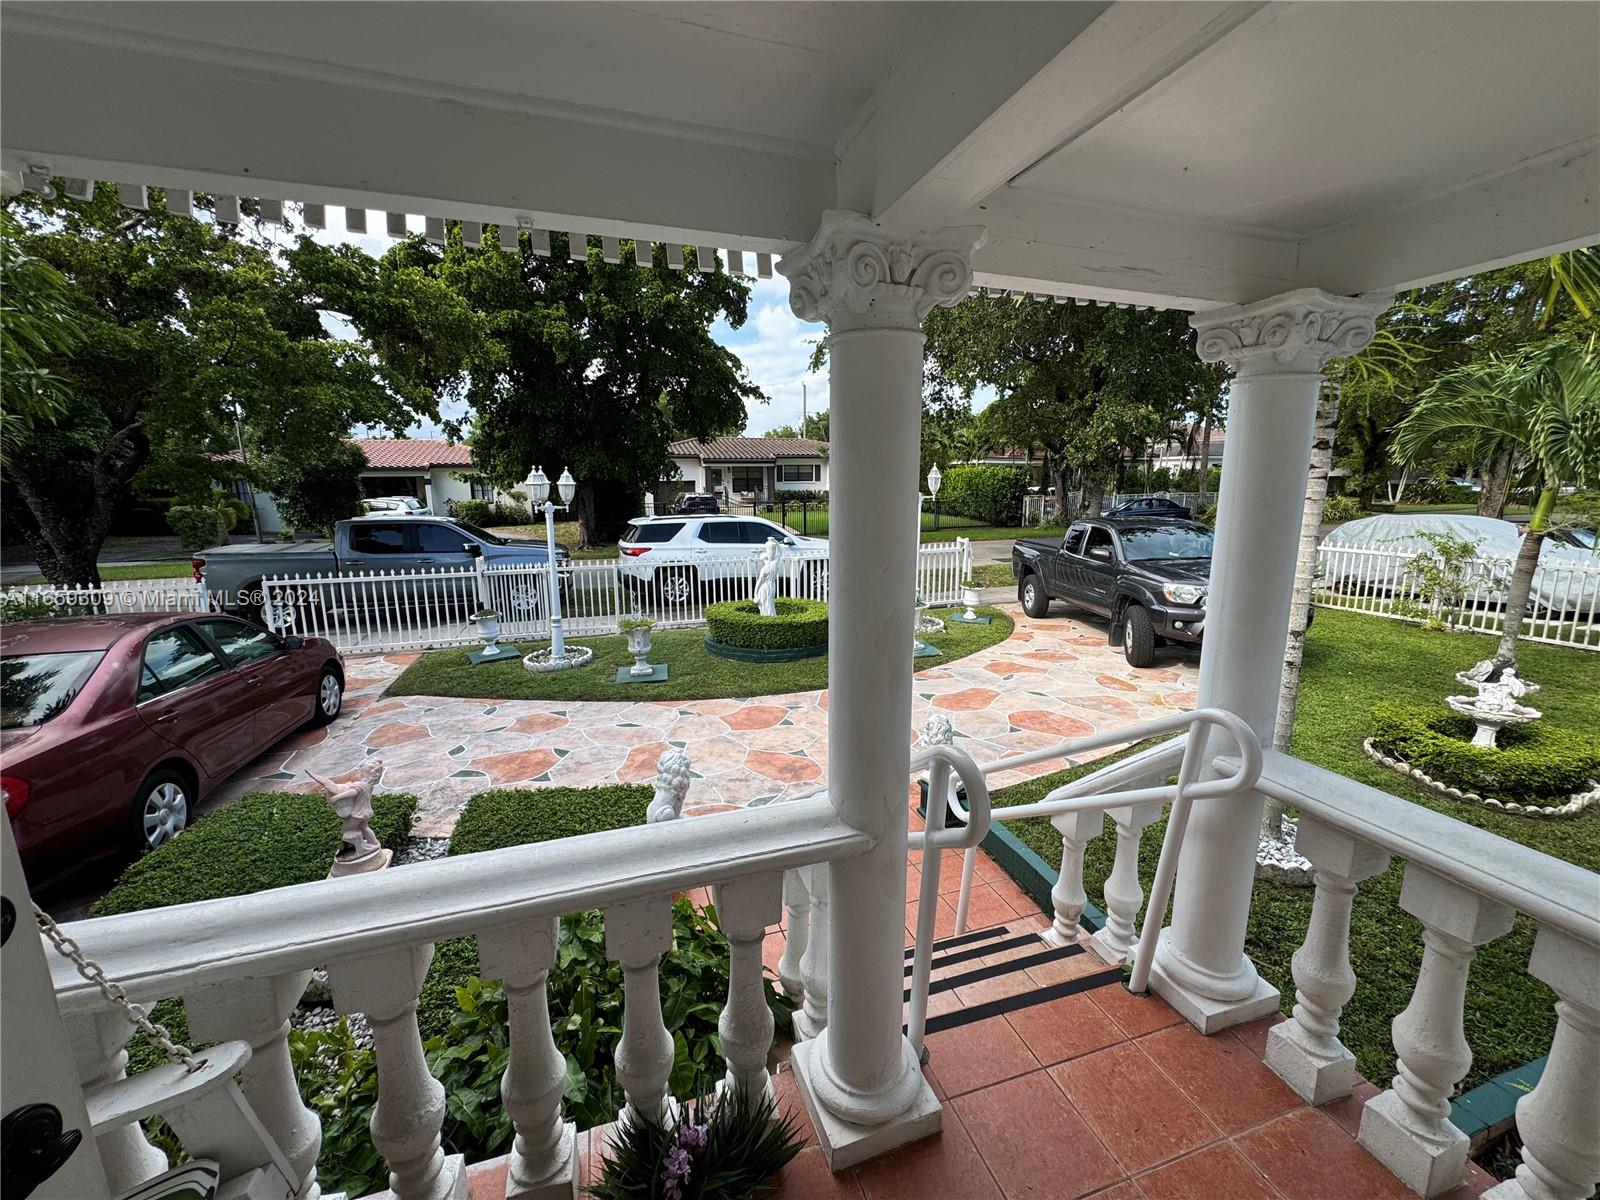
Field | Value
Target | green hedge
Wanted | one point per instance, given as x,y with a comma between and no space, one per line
740,623
521,816
989,494
475,512
1535,764
263,840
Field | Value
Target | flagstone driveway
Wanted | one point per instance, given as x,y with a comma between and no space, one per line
1052,679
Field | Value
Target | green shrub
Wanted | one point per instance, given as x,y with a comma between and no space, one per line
263,840
522,816
1207,515
740,623
1534,764
313,490
28,608
810,496
237,507
475,512
989,494
1340,508
197,527
508,512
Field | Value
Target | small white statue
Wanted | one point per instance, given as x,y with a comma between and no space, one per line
1502,696
672,785
351,799
767,580
937,730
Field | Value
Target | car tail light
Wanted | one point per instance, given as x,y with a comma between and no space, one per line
197,565
16,793
635,551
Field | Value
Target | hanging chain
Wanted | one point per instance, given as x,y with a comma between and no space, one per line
113,992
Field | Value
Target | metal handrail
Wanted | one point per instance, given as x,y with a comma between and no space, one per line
978,816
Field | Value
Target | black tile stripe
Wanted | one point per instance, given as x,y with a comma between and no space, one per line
962,939
998,1008
958,956
994,971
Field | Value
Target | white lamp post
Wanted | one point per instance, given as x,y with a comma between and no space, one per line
934,480
538,486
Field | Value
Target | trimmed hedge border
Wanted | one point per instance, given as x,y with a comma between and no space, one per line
746,654
1575,804
799,624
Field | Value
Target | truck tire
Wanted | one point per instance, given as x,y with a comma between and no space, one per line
1138,637
1031,594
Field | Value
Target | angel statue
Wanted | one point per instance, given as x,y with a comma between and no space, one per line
672,785
351,800
767,580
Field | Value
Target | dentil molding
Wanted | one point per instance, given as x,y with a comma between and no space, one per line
1302,329
856,275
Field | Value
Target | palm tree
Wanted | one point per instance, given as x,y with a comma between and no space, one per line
1544,403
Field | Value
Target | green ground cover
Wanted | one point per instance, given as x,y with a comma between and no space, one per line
694,673
151,570
1351,663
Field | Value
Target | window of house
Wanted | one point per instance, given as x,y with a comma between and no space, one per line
800,473
749,479
482,489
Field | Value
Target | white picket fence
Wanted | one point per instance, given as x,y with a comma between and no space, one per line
134,595
1563,607
418,610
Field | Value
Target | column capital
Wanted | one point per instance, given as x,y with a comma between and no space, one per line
1299,330
855,274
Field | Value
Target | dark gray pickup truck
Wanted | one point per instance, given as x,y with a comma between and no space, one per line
1149,576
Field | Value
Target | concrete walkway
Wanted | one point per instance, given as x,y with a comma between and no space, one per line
1052,679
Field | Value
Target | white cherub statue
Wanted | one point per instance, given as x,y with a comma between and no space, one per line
351,799
672,785
767,580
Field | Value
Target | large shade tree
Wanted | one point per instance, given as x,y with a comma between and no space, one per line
584,365
1543,402
1086,383
185,326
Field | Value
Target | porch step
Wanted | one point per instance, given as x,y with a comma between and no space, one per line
998,939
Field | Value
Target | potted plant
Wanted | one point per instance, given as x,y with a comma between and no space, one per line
638,630
488,622
970,597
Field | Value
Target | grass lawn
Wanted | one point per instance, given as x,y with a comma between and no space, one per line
814,523
156,570
993,575
695,674
568,534
1352,662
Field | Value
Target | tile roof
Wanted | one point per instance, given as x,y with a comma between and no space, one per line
736,449
387,454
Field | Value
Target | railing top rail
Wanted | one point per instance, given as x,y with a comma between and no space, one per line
171,951
1548,890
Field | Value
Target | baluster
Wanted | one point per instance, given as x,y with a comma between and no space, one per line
638,933
1115,942
258,1011
542,1160
1068,898
1408,1127
97,1041
1559,1121
812,1017
410,1109
797,932
1305,1050
745,908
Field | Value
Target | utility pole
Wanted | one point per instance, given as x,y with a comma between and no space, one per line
244,459
802,408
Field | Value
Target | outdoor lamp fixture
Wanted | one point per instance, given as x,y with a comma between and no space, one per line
934,480
557,657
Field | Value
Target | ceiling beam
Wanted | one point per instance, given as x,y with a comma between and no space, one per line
255,131
1000,87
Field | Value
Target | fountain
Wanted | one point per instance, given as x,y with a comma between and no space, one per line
1496,705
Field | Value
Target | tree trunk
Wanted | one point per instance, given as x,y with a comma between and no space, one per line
603,511
1497,485
1304,573
1094,496
66,542
1205,459
1522,574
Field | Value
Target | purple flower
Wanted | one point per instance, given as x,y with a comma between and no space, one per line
674,1172
692,1137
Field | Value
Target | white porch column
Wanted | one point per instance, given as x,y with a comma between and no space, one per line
860,1078
1277,348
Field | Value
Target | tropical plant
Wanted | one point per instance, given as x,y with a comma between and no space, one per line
1545,402
37,327
1437,579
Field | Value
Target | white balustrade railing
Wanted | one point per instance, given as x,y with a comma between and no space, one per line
1464,885
242,964
427,609
1563,605
130,596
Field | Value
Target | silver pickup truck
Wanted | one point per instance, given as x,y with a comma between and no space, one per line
232,574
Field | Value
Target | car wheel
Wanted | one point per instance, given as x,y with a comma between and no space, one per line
1035,601
160,810
330,697
1138,637
675,586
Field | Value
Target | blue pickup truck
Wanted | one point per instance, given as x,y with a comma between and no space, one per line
362,545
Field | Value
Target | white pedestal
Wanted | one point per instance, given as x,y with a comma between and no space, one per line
1206,1013
1426,1164
1315,1077
845,1145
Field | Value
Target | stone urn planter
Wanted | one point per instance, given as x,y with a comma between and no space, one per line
637,630
488,623
970,597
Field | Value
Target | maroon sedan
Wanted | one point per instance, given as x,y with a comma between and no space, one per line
113,728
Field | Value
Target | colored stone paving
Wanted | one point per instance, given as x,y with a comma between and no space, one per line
1052,679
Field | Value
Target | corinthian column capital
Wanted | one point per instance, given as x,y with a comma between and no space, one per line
856,275
1298,331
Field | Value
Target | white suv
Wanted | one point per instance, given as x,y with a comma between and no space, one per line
395,506
676,554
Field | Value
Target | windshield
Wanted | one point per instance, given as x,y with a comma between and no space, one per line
1165,541
36,687
483,535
